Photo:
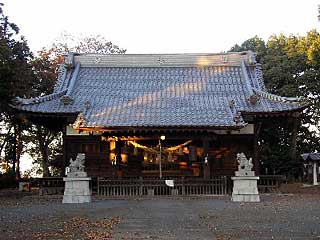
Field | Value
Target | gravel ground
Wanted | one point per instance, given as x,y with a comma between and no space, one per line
290,216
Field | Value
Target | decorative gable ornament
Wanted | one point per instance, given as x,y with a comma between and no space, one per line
68,61
87,105
161,60
232,104
224,58
97,60
80,122
252,57
253,99
237,118
66,100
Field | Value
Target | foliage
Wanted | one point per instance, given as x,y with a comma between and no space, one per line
45,67
254,44
275,148
44,144
85,44
23,75
15,73
291,67
16,79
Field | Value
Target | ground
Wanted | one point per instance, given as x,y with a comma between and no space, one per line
277,216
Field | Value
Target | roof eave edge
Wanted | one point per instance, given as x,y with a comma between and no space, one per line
273,97
29,101
142,128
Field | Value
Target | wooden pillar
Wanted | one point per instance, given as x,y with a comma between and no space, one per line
206,164
118,156
256,163
205,142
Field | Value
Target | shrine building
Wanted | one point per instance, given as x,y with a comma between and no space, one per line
159,114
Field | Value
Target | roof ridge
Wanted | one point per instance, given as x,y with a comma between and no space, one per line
73,79
259,76
67,99
29,101
165,54
246,78
277,98
164,60
62,74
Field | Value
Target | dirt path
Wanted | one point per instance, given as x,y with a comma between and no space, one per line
163,219
276,217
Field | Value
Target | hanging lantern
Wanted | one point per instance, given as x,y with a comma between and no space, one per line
125,148
124,157
112,146
145,157
135,151
180,151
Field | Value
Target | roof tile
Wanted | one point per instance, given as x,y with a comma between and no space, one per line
162,95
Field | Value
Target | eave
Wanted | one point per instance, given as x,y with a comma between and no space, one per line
158,129
54,121
289,113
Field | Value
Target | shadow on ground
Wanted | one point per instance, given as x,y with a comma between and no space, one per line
291,216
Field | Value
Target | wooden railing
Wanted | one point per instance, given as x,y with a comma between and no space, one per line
270,183
155,186
140,186
50,185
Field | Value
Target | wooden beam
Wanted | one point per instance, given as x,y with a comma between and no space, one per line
155,136
159,130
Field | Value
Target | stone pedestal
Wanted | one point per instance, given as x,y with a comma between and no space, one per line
77,190
24,187
245,189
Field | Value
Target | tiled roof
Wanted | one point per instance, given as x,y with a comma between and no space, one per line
311,156
186,90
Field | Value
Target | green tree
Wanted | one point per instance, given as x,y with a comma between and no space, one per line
15,71
254,44
45,144
291,67
16,78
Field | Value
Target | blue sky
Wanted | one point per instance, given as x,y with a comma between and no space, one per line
166,26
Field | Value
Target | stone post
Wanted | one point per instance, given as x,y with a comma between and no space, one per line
315,173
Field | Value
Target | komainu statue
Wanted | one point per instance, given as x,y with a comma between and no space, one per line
76,167
78,164
245,165
77,183
245,183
